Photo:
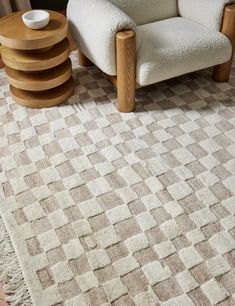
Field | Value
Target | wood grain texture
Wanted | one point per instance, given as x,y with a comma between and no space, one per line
222,72
1,61
113,80
126,70
41,99
43,80
14,34
37,64
36,61
83,60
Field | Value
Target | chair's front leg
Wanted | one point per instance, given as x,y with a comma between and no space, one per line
83,60
126,70
222,72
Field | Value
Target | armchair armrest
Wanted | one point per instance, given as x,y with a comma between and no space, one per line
206,12
94,24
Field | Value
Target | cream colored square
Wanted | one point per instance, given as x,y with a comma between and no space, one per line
214,291
164,249
174,209
186,281
154,184
87,281
57,218
127,194
137,243
146,298
155,272
62,272
125,265
90,208
129,175
107,237
171,229
114,289
48,240
180,190
146,221
98,259
82,228
190,257
222,242
73,249
119,213
195,236
99,186
34,212
218,266
111,153
203,217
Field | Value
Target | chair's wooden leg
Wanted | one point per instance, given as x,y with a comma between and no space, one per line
126,70
83,60
1,63
222,72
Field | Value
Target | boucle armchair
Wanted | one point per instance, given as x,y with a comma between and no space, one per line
141,42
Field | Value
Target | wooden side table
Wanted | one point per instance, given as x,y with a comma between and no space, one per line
37,61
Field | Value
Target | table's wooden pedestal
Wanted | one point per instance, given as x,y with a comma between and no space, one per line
37,62
39,78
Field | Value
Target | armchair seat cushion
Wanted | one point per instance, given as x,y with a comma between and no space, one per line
177,46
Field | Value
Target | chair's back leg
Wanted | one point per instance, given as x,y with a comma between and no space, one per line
222,72
83,60
126,70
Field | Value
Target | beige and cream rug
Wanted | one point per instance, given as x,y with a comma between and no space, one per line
104,208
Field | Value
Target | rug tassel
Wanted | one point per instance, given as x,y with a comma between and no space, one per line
10,272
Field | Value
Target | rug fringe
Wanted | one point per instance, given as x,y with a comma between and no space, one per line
10,272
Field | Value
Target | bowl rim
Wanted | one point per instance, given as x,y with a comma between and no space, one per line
24,16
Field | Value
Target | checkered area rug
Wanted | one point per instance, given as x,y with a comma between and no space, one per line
105,208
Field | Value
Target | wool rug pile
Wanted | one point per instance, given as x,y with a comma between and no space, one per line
103,208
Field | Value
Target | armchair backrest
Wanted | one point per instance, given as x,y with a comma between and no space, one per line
206,12
146,11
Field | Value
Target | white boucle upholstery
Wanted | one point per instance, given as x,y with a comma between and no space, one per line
177,46
206,12
146,11
165,48
94,24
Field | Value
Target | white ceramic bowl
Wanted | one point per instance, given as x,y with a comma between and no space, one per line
36,19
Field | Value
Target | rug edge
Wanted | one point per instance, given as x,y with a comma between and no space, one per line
10,272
